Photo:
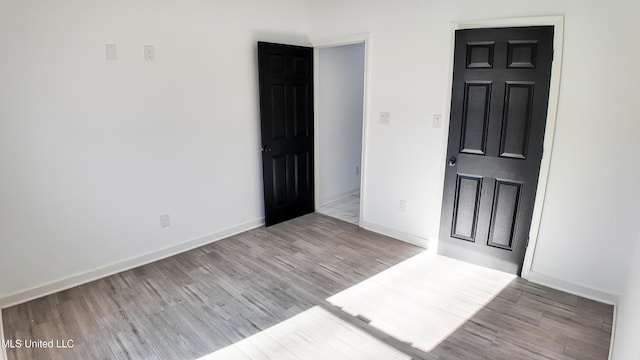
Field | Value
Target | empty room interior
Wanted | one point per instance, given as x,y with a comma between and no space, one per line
319,179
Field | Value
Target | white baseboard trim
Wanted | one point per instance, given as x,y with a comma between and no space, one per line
108,270
613,331
396,234
339,196
566,286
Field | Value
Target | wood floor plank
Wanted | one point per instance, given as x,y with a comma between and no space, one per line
209,300
578,349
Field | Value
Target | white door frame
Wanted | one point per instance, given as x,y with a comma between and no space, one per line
317,45
554,93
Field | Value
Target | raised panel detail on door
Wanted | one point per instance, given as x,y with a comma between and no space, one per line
522,54
279,166
506,198
276,64
301,163
278,116
301,118
300,65
480,54
516,123
466,204
475,117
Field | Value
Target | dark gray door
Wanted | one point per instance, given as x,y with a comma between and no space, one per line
286,117
498,114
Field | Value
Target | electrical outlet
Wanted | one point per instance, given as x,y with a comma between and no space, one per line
149,53
403,206
357,170
164,220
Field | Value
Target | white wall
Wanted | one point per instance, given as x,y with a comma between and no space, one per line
92,152
625,345
591,207
339,119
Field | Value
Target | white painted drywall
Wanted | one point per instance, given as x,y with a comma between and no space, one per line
339,120
591,208
625,342
93,151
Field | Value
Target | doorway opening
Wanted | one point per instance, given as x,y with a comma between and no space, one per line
339,119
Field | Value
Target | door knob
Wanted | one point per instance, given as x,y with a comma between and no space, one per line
452,161
266,148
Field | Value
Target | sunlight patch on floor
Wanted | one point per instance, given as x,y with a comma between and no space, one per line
424,299
312,334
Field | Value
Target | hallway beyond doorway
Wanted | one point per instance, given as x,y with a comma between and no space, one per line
346,209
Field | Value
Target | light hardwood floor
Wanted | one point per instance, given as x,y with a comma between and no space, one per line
299,290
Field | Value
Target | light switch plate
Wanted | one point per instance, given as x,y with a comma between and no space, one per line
112,52
385,118
437,121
